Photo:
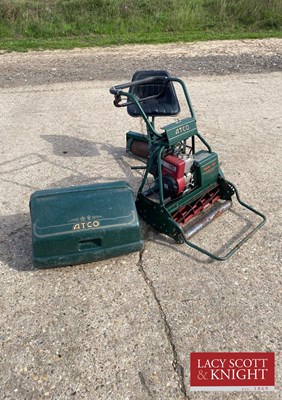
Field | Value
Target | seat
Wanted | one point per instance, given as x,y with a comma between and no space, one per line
164,104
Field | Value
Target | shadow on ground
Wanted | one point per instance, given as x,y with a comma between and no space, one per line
69,146
15,244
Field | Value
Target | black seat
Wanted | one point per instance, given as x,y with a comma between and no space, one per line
164,104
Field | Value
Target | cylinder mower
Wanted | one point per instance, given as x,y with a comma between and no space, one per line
183,187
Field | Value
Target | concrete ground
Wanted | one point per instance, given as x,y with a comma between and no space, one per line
124,328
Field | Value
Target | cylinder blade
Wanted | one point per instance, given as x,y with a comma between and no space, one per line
205,218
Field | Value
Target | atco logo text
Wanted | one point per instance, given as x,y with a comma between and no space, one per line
181,129
86,225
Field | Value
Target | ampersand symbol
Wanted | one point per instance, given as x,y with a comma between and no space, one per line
202,375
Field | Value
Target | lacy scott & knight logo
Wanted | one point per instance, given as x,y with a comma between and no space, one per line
231,371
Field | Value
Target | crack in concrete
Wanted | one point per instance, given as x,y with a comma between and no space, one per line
178,368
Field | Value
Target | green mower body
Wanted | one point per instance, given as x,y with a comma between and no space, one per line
183,188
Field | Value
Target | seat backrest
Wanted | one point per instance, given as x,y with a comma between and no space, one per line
166,102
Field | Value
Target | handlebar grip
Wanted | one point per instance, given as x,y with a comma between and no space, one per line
113,90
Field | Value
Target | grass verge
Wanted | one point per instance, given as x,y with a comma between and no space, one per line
26,44
34,24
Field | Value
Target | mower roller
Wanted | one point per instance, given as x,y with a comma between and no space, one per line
183,188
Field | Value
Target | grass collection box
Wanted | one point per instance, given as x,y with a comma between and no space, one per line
81,224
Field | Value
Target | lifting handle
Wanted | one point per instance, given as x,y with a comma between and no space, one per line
235,248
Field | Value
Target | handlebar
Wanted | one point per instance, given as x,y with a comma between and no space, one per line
116,90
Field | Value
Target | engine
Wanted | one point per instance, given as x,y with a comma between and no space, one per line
177,174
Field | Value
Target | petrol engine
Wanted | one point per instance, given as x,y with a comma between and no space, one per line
177,174
181,172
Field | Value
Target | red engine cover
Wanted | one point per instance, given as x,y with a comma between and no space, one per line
175,167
